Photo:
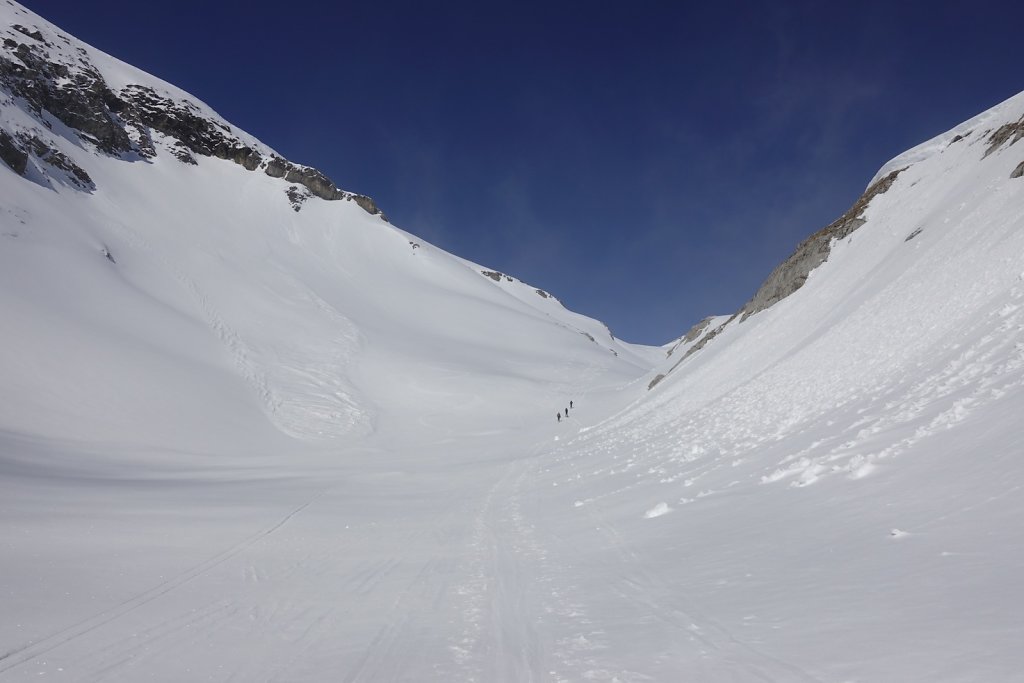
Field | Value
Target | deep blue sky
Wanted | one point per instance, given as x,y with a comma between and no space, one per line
648,163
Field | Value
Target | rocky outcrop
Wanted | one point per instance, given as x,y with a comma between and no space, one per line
1019,171
1011,132
708,336
697,329
313,180
69,170
58,81
791,274
79,98
317,183
297,196
691,335
35,35
367,205
496,276
12,155
701,343
16,150
180,152
183,121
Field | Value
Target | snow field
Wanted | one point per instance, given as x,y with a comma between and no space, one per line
239,442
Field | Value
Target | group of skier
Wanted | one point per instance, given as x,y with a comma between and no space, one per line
559,415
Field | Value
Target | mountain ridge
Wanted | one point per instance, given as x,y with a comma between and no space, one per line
189,213
42,68
1000,127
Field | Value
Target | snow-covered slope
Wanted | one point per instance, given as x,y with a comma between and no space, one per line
183,254
830,488
249,430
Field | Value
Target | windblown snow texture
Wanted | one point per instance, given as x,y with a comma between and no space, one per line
249,430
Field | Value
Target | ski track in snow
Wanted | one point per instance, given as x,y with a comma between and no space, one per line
512,613
38,648
492,584
826,491
522,613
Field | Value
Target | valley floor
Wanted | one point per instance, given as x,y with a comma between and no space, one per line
432,572
437,568
870,539
471,561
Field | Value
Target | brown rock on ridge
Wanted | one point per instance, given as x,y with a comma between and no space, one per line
792,273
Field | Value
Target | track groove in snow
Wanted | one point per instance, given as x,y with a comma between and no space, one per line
33,650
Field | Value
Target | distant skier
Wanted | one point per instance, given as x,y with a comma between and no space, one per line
570,404
559,416
567,412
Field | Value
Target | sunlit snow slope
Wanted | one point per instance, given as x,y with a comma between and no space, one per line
186,303
251,431
832,488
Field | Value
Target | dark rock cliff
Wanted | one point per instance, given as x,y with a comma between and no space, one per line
78,97
55,80
12,154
